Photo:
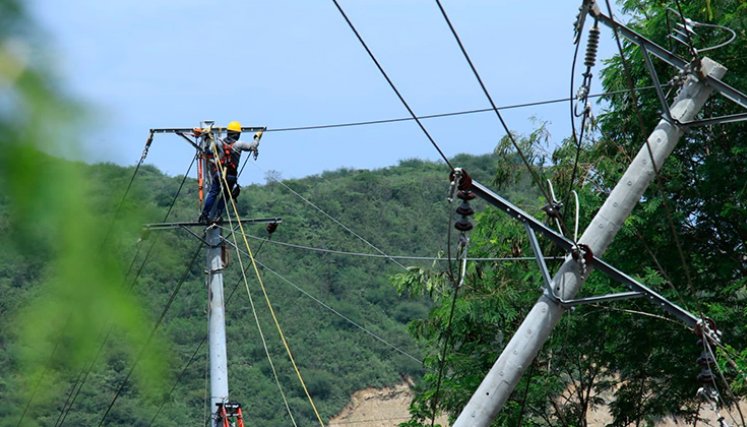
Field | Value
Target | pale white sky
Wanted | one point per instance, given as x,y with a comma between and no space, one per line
166,63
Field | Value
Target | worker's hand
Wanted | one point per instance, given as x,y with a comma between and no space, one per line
258,135
196,132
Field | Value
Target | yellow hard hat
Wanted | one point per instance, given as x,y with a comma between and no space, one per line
234,126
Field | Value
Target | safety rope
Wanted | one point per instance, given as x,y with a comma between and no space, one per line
224,185
259,326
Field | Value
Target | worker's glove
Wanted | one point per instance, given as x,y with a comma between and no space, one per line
254,149
196,132
258,135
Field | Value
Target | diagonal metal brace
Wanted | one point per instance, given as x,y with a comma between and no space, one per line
567,245
546,278
648,46
550,285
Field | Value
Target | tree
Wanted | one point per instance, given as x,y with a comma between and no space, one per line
686,239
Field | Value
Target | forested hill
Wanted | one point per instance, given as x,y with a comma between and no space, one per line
323,269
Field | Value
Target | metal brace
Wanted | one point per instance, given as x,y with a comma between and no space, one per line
649,47
550,290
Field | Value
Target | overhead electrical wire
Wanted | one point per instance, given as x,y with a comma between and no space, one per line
391,84
405,257
448,335
153,331
335,220
178,380
129,185
193,356
335,312
578,137
37,383
451,114
224,187
510,136
342,316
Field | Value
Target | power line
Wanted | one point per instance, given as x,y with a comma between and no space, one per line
451,114
165,310
39,379
405,257
326,306
347,319
391,84
336,221
195,351
492,104
103,242
578,139
129,185
178,380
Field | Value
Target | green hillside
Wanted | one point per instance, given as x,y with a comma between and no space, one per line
331,289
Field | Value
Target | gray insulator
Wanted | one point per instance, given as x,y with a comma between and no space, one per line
592,46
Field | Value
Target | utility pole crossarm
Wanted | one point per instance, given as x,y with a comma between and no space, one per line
215,128
687,318
638,39
501,203
170,225
715,83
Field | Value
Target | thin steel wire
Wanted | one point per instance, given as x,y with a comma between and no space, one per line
391,84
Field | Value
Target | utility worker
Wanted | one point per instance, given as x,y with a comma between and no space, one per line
229,153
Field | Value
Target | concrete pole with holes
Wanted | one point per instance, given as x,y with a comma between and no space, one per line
519,353
216,318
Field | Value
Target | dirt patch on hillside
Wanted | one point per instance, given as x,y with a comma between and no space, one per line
384,407
387,407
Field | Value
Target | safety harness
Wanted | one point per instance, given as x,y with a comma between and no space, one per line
229,158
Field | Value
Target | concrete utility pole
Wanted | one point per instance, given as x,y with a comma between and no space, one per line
216,323
500,382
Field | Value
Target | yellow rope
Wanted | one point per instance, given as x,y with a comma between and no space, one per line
224,184
259,326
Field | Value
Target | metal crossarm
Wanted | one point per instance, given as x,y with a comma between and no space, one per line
494,199
533,225
215,128
648,46
658,51
172,225
681,314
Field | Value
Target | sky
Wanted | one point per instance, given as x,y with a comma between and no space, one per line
138,65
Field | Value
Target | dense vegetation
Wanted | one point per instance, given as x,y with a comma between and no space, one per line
75,274
400,210
686,239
